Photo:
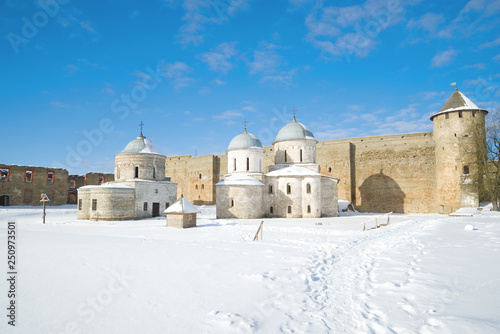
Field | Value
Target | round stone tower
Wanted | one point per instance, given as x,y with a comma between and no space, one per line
295,145
140,160
458,129
245,154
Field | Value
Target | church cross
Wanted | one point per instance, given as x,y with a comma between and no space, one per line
294,110
245,122
141,125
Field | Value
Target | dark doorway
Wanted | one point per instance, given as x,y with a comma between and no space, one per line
4,200
156,209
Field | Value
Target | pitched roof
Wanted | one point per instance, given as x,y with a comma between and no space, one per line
182,206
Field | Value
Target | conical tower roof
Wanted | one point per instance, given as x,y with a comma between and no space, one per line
458,101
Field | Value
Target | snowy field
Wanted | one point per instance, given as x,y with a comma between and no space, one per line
420,274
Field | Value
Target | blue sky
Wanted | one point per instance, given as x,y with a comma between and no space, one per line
79,76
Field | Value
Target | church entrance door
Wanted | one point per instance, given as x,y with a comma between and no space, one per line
4,200
156,209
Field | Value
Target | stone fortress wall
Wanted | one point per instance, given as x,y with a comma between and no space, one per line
18,188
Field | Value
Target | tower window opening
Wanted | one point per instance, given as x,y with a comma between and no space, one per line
446,115
154,172
308,209
329,169
235,164
300,155
289,209
285,155
460,114
231,203
271,210
270,189
145,206
308,188
94,204
466,169
136,172
199,176
288,188
473,114
248,164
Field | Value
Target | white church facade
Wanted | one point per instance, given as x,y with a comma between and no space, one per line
293,188
140,189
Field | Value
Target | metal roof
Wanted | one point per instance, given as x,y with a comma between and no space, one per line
294,131
457,101
244,141
140,145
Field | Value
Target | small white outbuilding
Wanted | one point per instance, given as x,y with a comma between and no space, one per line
181,214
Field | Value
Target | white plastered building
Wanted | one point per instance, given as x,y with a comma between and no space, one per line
140,189
293,188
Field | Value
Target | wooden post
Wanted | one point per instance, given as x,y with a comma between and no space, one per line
44,199
259,230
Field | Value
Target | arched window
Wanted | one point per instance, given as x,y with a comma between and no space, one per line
235,164
289,209
202,186
466,169
136,172
329,169
271,210
308,188
231,203
270,189
154,172
288,188
285,155
200,176
300,155
248,164
196,186
308,209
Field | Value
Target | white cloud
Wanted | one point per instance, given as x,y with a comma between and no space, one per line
58,104
444,58
490,44
71,69
229,114
177,73
219,82
219,58
202,12
479,66
355,107
351,31
429,22
266,60
497,58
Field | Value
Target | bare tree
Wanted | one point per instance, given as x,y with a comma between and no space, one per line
488,153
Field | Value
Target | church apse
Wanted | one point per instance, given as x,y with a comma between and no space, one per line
380,193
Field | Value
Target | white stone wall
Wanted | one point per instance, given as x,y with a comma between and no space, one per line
112,203
248,201
152,192
312,199
125,166
329,197
293,149
256,161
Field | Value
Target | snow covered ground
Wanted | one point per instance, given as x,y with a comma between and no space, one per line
420,274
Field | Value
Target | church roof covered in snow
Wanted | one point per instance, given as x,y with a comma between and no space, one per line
182,206
458,101
294,131
239,180
243,141
140,145
293,171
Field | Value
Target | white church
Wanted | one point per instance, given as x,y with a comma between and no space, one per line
140,189
293,188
